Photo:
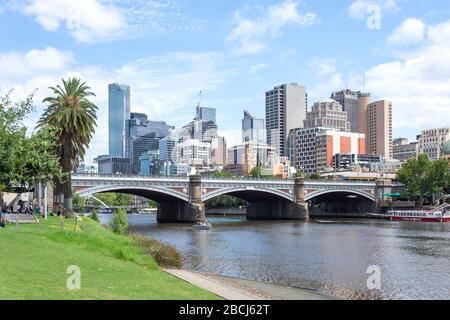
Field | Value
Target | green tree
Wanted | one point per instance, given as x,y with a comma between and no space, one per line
422,176
94,215
256,172
70,110
24,159
120,223
223,174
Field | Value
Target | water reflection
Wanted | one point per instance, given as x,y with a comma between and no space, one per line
331,256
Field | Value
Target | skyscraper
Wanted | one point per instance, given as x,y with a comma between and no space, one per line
379,124
119,116
349,102
253,129
327,113
206,114
286,107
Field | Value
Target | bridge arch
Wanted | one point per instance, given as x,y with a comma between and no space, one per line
158,194
249,194
319,193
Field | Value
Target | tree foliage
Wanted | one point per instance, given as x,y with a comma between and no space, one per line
120,223
225,201
71,111
24,159
422,176
115,199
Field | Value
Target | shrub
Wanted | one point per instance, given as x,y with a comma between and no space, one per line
120,223
165,255
94,215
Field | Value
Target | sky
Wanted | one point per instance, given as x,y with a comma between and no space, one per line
233,51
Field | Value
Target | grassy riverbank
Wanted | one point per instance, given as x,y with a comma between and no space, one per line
34,262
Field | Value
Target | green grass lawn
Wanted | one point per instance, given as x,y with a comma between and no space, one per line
34,261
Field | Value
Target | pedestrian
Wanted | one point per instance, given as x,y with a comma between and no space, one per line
3,214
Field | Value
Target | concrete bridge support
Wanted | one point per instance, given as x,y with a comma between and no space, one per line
178,211
383,187
281,209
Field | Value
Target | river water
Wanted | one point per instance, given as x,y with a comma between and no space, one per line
330,255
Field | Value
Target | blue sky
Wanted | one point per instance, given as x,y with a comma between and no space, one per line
233,51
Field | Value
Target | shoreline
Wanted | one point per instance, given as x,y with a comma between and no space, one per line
231,288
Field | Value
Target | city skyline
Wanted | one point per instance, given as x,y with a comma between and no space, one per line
234,53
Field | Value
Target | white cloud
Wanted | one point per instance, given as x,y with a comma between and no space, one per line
250,35
411,31
86,20
164,87
418,82
358,9
108,20
326,77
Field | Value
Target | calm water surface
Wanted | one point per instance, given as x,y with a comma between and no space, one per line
331,256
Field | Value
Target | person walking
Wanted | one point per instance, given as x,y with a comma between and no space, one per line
3,214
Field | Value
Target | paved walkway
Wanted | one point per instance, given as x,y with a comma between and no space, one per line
239,289
211,285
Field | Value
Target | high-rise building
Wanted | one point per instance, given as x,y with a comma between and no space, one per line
379,123
432,141
348,99
113,165
166,149
403,150
303,152
219,152
119,115
206,114
193,153
142,145
329,143
253,129
286,107
149,163
249,155
327,113
364,99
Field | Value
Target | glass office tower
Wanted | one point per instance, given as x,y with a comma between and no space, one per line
119,116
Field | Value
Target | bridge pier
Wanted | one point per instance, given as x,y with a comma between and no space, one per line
281,209
382,187
182,211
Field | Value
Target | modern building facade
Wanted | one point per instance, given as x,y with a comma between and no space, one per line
345,161
193,153
432,141
119,115
249,155
348,99
141,145
364,99
329,143
304,151
219,152
87,168
205,114
328,114
403,150
379,138
113,165
286,108
149,163
253,129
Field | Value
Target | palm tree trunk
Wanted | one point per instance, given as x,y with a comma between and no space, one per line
68,200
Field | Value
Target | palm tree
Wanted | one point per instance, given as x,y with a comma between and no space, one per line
71,111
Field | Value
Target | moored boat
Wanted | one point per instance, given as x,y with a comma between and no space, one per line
418,215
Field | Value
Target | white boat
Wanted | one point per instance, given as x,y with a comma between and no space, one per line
203,226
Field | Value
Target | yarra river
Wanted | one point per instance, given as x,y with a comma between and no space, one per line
329,255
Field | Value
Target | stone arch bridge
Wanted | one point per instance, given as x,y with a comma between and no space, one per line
181,199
